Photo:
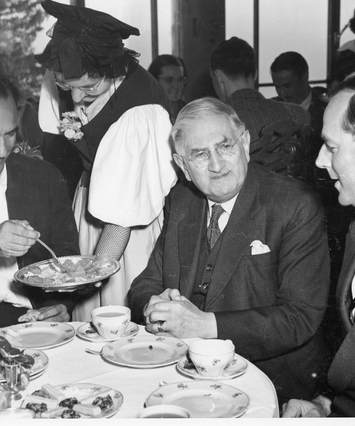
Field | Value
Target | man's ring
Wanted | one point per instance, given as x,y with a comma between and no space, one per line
160,327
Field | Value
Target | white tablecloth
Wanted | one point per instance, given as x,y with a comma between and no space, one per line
70,363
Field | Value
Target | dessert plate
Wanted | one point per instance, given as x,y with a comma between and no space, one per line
202,398
88,332
39,335
39,366
235,368
144,351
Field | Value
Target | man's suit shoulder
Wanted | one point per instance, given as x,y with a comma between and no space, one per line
274,187
34,168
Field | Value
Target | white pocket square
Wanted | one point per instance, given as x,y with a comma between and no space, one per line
257,247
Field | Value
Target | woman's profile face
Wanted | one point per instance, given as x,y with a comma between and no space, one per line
171,79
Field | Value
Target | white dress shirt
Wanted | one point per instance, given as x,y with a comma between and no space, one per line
9,290
227,207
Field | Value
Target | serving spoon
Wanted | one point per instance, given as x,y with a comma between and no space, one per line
54,256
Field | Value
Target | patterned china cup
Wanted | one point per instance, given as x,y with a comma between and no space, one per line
111,321
211,356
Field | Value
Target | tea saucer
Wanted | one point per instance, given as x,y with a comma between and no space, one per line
88,332
235,368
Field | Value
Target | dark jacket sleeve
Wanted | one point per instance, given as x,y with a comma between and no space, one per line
150,281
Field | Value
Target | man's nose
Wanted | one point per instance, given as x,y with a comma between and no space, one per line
77,95
323,161
216,162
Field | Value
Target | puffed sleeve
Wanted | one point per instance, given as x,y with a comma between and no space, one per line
133,169
48,109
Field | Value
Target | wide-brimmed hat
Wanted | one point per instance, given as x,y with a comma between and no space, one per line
84,40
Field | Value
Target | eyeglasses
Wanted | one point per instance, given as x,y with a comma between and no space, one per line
224,149
90,89
8,136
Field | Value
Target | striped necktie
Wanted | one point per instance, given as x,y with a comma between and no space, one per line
213,231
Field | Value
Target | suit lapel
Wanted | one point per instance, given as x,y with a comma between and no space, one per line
236,236
15,192
347,274
190,230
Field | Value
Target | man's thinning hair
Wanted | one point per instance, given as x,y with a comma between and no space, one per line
235,57
290,61
199,109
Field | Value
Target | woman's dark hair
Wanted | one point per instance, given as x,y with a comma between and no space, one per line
165,60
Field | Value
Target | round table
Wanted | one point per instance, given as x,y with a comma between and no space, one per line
70,363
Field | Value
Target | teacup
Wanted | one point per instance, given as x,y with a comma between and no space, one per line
211,356
164,411
111,321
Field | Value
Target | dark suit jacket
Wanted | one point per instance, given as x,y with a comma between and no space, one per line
37,192
271,305
257,112
341,375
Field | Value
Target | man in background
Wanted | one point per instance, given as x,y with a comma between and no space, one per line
233,72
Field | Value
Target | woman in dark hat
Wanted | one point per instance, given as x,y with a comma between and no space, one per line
114,113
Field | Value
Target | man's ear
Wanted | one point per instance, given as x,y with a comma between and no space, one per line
180,163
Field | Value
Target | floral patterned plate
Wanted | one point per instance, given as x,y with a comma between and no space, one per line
234,369
88,332
202,398
144,351
39,335
39,366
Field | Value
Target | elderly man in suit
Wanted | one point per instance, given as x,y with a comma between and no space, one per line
242,254
33,203
337,156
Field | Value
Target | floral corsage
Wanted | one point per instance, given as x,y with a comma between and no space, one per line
70,126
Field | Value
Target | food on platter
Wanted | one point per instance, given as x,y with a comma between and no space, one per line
10,354
55,401
74,270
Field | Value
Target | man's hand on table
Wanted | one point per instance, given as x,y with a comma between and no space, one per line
16,238
55,313
318,407
175,314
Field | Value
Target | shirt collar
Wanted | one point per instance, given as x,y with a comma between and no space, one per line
3,179
227,205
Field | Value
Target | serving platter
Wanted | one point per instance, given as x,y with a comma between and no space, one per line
78,271
89,395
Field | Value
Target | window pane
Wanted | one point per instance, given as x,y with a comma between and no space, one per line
293,25
135,13
239,19
346,13
165,26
